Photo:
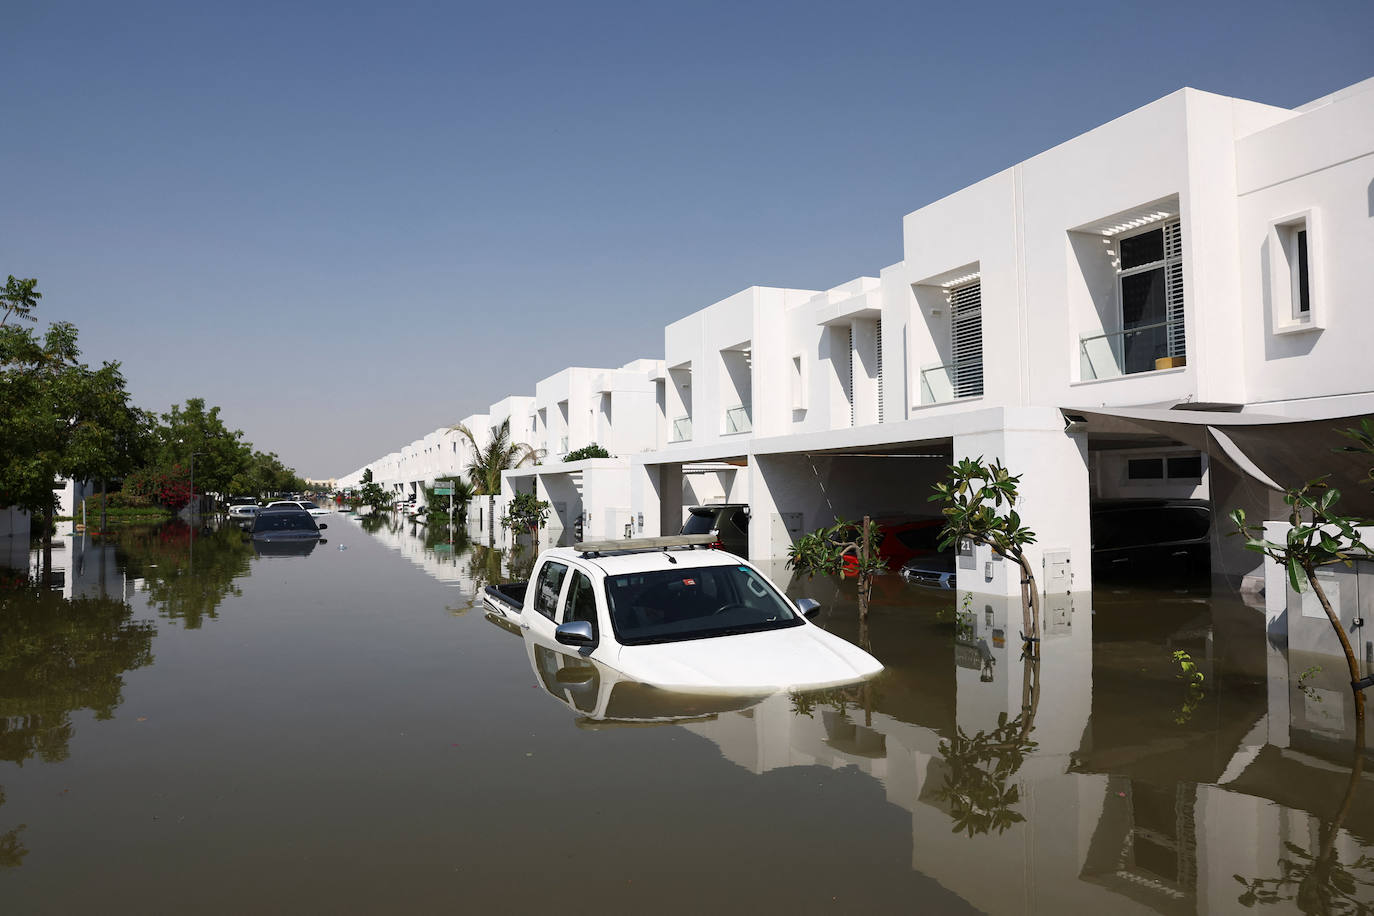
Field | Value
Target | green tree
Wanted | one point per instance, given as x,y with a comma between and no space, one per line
980,506
20,298
526,512
220,453
371,493
60,418
500,454
1318,535
587,451
843,549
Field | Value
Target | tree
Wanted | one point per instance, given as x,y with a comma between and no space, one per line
371,494
437,506
974,499
219,453
1317,536
500,454
20,298
587,451
843,549
526,512
60,418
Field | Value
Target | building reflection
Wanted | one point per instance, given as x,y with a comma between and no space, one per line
1089,781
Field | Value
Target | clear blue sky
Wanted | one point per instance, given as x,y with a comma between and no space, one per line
349,224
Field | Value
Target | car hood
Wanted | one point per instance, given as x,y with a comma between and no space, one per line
797,657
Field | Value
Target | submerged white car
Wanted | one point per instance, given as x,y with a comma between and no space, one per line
662,613
314,510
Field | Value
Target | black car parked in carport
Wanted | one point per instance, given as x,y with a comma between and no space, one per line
729,522
1170,537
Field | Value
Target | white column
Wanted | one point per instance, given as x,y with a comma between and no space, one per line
1054,499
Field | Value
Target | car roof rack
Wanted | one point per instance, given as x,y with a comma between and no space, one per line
642,545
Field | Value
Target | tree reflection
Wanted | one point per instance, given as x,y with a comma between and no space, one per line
59,655
979,767
1318,881
188,574
492,565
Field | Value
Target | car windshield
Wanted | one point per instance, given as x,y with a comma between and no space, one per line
309,505
284,521
674,604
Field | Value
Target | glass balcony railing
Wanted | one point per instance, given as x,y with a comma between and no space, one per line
937,384
563,446
737,420
1144,348
682,429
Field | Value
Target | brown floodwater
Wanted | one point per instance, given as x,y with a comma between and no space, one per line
189,726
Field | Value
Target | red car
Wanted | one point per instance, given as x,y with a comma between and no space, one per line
904,539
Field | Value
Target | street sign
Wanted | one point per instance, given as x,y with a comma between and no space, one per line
443,491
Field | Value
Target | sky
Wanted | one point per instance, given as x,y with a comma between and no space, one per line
349,224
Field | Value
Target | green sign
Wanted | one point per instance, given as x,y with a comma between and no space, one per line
443,491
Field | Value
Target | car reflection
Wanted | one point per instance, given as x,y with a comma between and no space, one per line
604,698
297,548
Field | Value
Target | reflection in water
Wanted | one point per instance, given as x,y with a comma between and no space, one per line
186,572
59,655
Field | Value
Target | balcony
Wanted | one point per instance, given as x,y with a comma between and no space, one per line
563,446
1144,348
737,420
943,384
682,429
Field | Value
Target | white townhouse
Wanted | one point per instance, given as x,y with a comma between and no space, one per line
577,407
1170,305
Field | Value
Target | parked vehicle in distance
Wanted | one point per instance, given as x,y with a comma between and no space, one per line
244,511
935,570
1151,537
729,522
663,613
304,505
285,522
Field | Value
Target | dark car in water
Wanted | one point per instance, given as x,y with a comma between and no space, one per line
285,523
1150,537
729,522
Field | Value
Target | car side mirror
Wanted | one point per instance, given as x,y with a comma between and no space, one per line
575,633
809,607
322,527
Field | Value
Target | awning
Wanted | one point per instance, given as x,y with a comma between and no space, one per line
1278,452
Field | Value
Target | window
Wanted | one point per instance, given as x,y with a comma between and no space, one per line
1173,468
1293,273
966,339
1150,287
550,583
798,384
581,601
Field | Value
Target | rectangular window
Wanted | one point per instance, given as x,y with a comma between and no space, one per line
966,339
1145,469
1185,467
1150,283
798,384
1302,289
879,334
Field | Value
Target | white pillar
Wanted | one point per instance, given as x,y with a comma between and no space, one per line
1054,495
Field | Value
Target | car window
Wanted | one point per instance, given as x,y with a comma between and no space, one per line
547,588
309,505
580,603
284,521
740,519
701,521
669,605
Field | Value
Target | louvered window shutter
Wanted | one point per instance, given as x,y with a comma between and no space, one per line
850,391
880,370
966,325
1173,288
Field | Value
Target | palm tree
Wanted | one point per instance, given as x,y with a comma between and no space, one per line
500,454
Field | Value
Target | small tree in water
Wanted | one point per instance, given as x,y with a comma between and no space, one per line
980,506
843,549
1318,536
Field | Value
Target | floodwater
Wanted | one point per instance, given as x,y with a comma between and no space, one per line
188,726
